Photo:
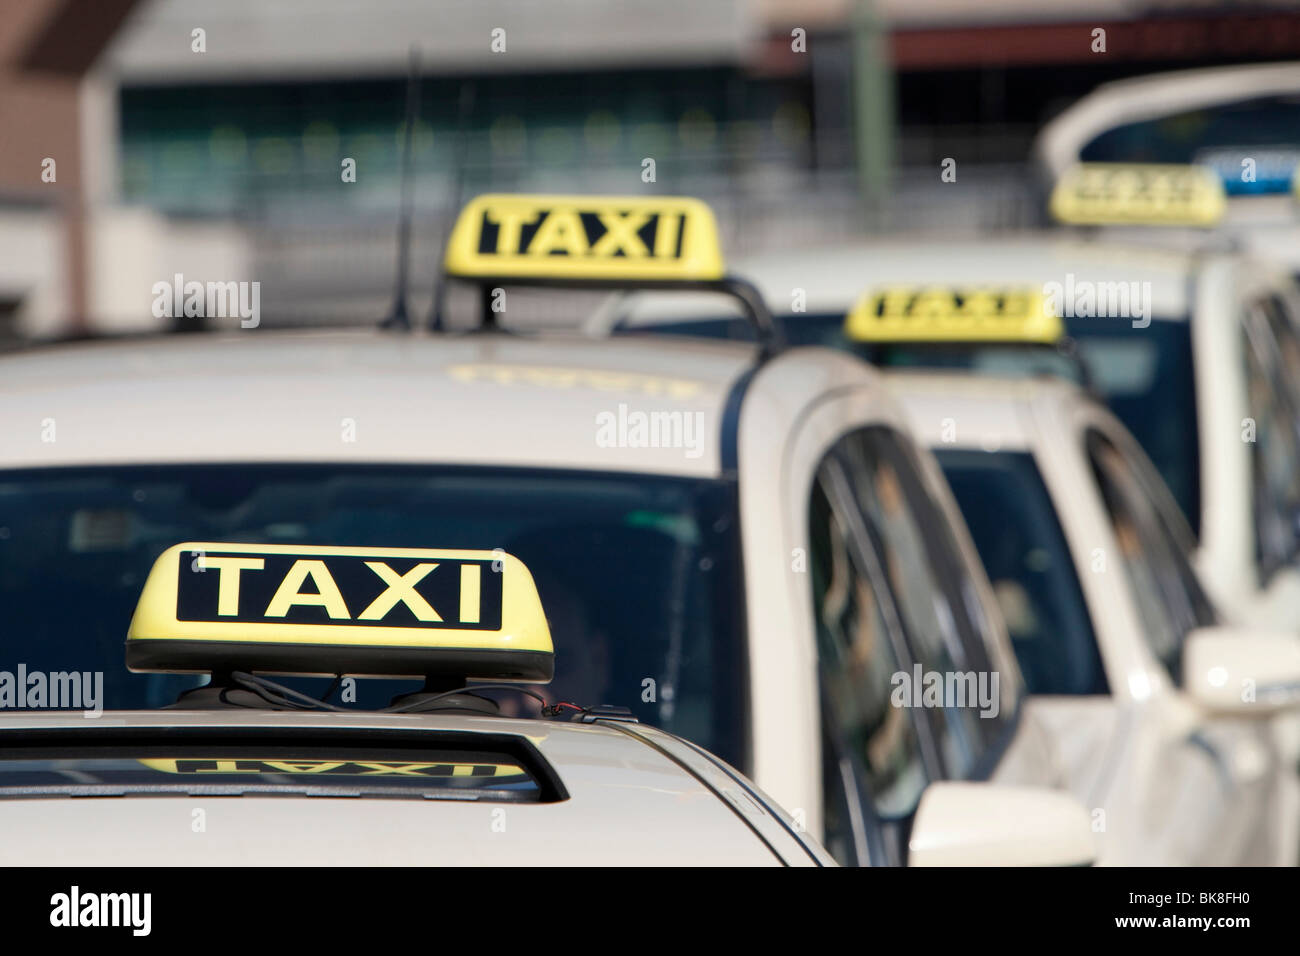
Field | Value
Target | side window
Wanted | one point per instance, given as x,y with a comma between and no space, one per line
1276,446
1162,583
1283,317
1172,528
942,621
858,659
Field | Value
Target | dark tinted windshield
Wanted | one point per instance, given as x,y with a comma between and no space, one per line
1144,374
1261,130
1015,529
827,330
636,573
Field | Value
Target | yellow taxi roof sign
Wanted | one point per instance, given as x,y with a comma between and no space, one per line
609,239
1154,194
941,314
302,609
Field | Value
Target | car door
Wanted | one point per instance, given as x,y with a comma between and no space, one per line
1200,779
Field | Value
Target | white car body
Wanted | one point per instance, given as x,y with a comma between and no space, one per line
509,401
1169,783
634,796
1210,290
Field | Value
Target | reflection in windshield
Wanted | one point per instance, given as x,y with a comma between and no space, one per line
636,573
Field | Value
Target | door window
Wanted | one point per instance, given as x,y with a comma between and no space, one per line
1275,449
858,658
1163,586
895,606
944,625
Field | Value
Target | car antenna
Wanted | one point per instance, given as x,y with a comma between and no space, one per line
398,317
465,108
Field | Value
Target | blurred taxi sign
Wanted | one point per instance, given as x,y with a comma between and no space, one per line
210,607
1138,194
610,239
936,314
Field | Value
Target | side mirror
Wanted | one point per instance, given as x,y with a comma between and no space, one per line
984,824
1242,671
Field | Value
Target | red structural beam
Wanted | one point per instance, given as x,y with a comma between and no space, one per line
1230,36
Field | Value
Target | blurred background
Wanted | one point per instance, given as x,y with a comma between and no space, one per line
801,121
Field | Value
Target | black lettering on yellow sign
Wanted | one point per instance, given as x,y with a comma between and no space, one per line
946,305
355,768
573,233
1140,187
339,589
1151,193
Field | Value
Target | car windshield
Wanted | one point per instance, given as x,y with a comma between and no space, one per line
636,573
1015,529
1145,375
827,330
1223,137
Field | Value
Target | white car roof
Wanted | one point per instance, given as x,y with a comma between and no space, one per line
629,800
988,410
833,278
261,395
1132,100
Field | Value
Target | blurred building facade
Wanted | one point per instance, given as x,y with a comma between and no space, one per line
209,138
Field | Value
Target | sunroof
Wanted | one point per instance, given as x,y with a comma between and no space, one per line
474,767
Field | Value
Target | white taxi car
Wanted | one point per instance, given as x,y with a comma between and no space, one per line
1146,691
1243,365
1239,122
1163,712
438,778
742,545
1196,352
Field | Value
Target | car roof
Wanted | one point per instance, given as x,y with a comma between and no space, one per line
990,412
834,277
1144,97
627,799
286,396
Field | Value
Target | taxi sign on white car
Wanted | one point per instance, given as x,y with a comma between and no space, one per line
367,610
588,785
942,314
1138,194
637,547
624,239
